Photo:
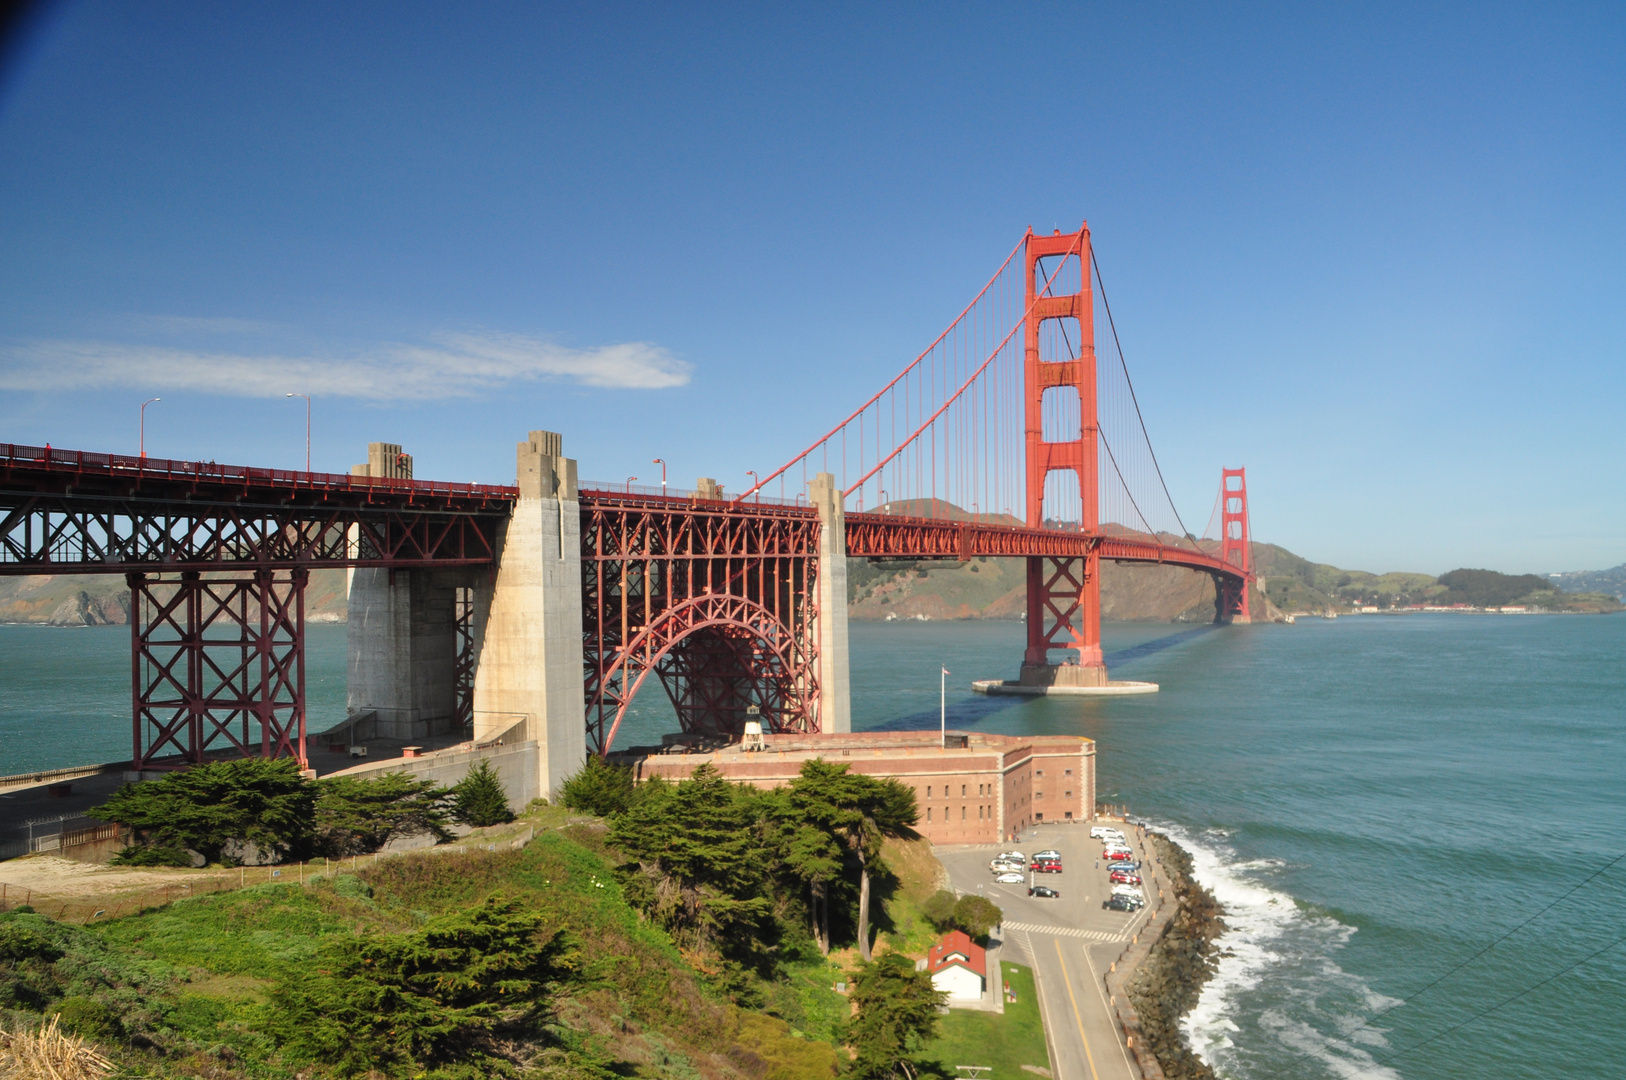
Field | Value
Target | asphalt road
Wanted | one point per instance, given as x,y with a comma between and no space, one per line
1069,941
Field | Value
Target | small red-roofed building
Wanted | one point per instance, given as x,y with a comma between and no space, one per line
958,966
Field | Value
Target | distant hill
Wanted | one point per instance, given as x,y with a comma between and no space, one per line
1286,584
1610,582
103,599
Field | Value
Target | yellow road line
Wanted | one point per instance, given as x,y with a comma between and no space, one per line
1079,1020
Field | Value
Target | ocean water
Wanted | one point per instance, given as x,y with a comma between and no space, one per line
1379,802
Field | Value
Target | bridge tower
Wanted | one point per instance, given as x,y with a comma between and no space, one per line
1236,547
1064,595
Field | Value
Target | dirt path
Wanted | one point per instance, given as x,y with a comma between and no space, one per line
66,879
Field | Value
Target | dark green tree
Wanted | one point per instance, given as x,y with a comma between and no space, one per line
479,798
976,915
857,813
211,806
400,1004
355,815
598,788
897,1011
939,909
698,862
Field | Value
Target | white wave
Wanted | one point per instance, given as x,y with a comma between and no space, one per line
1269,937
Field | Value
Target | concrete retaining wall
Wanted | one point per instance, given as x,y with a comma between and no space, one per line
515,764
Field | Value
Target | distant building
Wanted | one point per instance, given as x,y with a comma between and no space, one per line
971,787
959,966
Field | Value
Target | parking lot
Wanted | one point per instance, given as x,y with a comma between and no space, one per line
1069,940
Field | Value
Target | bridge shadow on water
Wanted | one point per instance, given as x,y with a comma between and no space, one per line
969,712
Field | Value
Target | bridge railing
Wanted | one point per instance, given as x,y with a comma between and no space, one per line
610,487
135,467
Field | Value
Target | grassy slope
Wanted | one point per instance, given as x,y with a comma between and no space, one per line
209,964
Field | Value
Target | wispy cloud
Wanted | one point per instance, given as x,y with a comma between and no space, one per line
451,365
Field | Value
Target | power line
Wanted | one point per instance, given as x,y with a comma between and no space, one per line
1415,994
1504,1002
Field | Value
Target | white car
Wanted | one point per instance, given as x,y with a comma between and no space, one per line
1010,878
1007,868
1014,856
1129,891
1101,832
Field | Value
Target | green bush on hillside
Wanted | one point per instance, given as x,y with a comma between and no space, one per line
404,1003
356,815
598,788
216,805
479,798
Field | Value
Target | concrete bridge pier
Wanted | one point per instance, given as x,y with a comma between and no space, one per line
527,620
402,634
835,690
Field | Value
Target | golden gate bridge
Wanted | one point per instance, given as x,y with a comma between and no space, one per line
553,600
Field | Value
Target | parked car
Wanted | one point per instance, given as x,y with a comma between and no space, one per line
1128,890
1124,877
1001,864
1131,865
1017,855
1044,891
1050,854
1099,831
1046,866
1122,903
1010,878
1117,854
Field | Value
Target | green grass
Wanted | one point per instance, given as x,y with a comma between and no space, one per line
1004,1042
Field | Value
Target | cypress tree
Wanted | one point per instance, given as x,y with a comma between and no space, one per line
479,798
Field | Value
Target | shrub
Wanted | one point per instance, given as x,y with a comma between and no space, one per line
405,1002
939,909
356,815
208,807
977,915
479,798
152,855
598,788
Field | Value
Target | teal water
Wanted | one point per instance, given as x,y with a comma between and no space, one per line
1375,800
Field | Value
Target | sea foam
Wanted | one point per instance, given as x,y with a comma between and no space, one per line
1278,997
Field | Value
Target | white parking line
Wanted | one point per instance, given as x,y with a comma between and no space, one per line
1066,931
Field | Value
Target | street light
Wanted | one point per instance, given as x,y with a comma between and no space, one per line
307,398
630,479
755,483
661,462
144,405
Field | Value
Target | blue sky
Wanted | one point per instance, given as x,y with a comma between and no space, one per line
1375,254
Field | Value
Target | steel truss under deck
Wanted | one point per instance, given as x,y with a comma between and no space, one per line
721,605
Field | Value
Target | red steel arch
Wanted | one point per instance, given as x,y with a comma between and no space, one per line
746,655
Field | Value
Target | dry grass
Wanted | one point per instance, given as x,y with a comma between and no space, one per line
47,1054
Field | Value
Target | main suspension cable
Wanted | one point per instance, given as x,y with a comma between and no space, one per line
1124,364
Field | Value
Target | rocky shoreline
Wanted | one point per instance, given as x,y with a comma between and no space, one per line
1166,984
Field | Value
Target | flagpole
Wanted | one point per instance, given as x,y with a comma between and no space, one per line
942,707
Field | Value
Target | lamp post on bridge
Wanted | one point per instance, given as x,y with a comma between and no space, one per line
144,405
307,398
755,483
630,479
662,463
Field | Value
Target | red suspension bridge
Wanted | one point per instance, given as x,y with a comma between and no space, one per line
1006,437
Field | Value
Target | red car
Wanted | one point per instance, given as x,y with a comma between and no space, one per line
1048,866
1117,854
1124,877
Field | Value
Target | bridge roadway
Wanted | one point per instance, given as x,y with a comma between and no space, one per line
1069,942
69,511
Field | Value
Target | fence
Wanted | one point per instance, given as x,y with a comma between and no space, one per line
72,830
